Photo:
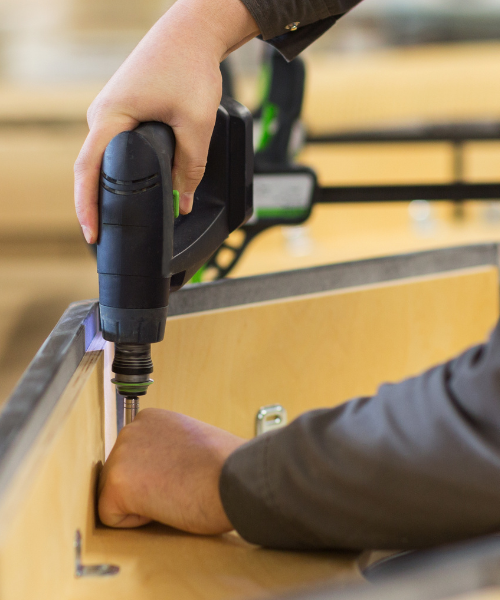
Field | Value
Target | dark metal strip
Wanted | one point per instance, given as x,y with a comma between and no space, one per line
401,193
41,386
273,286
461,132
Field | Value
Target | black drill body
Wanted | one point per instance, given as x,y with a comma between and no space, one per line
144,251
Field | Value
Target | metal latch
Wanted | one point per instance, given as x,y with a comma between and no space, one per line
269,418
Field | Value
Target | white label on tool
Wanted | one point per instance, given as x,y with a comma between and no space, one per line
281,192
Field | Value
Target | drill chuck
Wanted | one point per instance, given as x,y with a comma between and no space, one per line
132,367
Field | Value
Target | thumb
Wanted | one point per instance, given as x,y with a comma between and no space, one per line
191,150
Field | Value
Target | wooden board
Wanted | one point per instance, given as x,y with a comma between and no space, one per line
53,496
307,351
400,164
318,350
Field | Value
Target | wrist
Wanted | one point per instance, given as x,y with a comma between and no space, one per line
217,26
229,444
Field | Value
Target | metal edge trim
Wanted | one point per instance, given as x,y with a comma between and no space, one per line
37,393
273,286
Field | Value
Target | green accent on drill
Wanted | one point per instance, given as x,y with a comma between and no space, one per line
269,115
264,84
281,213
269,111
198,276
131,387
175,194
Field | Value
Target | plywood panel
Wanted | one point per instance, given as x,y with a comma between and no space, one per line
158,562
380,164
54,495
317,350
400,164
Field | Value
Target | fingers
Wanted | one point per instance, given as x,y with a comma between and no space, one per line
87,171
115,493
191,150
166,467
112,514
119,519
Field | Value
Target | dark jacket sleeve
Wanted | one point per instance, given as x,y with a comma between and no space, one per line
416,465
314,17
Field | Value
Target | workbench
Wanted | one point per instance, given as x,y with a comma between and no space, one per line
302,339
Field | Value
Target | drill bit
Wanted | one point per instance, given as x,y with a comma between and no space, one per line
130,409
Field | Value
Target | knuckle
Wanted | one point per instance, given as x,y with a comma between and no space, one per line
194,172
147,413
90,114
124,437
116,479
97,108
81,165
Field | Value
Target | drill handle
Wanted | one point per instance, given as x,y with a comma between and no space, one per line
224,199
188,240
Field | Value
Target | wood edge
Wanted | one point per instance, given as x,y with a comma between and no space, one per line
273,286
347,290
21,480
37,394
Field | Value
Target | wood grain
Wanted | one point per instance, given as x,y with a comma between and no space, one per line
221,366
318,350
54,495
53,492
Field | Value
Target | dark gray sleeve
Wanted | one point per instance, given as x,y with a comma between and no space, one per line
314,17
416,465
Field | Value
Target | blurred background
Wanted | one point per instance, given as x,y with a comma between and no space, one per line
388,63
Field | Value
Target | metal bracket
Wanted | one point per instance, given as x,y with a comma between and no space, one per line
269,418
90,570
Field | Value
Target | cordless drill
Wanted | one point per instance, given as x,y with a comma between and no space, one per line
145,250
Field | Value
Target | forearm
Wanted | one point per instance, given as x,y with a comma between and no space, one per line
416,465
217,27
202,32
